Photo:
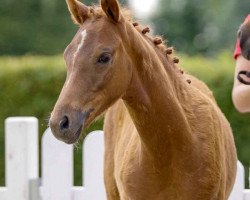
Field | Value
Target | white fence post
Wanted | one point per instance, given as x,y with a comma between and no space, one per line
21,144
246,194
21,148
238,189
57,168
3,193
93,157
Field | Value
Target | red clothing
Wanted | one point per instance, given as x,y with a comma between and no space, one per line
237,50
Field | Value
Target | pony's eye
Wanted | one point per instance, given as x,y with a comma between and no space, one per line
104,58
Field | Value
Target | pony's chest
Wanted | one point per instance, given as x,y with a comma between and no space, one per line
135,174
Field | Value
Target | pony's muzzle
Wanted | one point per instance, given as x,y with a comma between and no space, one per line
67,125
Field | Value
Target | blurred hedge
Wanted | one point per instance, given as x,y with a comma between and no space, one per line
30,85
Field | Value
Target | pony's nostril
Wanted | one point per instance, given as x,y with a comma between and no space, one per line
64,124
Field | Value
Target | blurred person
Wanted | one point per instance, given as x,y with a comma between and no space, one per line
241,88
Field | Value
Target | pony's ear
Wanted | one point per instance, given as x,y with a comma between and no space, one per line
79,11
111,8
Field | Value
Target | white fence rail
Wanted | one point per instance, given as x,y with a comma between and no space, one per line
56,183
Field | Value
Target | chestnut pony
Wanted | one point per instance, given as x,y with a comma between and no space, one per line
165,137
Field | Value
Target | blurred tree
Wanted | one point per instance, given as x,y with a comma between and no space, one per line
192,26
36,26
44,26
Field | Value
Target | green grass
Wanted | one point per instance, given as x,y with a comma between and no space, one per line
30,85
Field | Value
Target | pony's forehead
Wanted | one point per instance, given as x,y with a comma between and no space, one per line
93,26
102,28
92,36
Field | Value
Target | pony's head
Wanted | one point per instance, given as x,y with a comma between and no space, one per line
98,68
244,37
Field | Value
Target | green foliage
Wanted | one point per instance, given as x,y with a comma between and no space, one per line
192,26
36,26
44,27
30,85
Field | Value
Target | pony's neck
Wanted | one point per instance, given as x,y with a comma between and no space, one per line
152,99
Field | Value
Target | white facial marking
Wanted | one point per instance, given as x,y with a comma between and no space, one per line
83,35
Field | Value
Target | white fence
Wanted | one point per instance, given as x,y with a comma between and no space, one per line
56,183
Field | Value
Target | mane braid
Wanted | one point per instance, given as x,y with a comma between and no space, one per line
166,54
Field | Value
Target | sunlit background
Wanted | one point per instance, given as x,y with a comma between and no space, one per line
34,34
144,8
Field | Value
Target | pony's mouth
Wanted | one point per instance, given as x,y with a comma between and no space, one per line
75,137
84,122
